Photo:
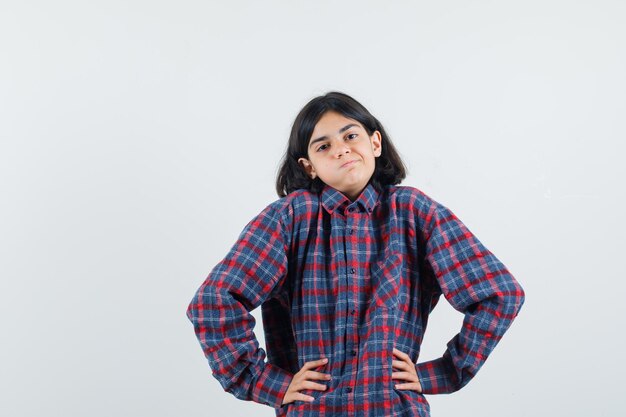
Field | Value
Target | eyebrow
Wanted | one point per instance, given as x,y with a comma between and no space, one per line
343,129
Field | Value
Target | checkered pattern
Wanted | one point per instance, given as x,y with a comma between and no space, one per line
349,281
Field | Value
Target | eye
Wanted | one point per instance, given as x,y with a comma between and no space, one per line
352,135
321,148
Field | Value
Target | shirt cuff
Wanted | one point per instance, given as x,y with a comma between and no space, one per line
272,385
436,377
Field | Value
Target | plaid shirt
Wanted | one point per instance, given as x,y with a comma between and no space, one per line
349,281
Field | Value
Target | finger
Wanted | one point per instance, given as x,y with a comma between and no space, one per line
314,364
401,354
407,376
313,385
303,397
401,365
415,386
316,375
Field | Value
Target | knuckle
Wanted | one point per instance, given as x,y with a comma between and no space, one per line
304,397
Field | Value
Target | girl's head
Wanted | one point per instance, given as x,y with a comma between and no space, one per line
336,141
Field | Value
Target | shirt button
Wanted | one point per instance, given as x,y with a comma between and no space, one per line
352,270
351,231
351,209
353,311
353,353
349,389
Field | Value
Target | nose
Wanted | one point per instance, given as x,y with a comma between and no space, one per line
342,149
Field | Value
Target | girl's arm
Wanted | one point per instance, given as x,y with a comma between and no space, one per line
475,283
220,311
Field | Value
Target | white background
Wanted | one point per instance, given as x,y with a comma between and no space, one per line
139,137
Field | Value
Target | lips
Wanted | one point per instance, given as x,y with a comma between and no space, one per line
349,163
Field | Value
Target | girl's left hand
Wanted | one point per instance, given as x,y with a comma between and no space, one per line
410,374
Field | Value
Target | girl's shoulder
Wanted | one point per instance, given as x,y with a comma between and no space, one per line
295,202
410,197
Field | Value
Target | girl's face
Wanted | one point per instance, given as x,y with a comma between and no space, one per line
342,154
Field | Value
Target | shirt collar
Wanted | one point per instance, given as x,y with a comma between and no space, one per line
332,199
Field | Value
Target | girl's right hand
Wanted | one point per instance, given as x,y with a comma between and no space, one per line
303,380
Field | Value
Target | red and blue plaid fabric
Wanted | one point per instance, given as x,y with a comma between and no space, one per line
349,281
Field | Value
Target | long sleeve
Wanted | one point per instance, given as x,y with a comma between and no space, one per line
255,266
475,283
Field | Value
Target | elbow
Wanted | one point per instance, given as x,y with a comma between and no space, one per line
521,296
514,298
189,312
509,298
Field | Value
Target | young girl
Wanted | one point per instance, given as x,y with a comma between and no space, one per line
347,267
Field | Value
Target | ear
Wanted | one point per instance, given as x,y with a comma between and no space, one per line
376,140
308,168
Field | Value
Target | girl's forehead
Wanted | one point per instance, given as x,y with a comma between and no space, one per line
333,123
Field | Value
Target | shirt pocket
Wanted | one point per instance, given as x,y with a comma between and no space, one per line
385,281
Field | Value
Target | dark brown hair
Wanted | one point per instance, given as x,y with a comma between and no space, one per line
389,170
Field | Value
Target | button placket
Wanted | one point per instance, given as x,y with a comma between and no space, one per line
351,351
